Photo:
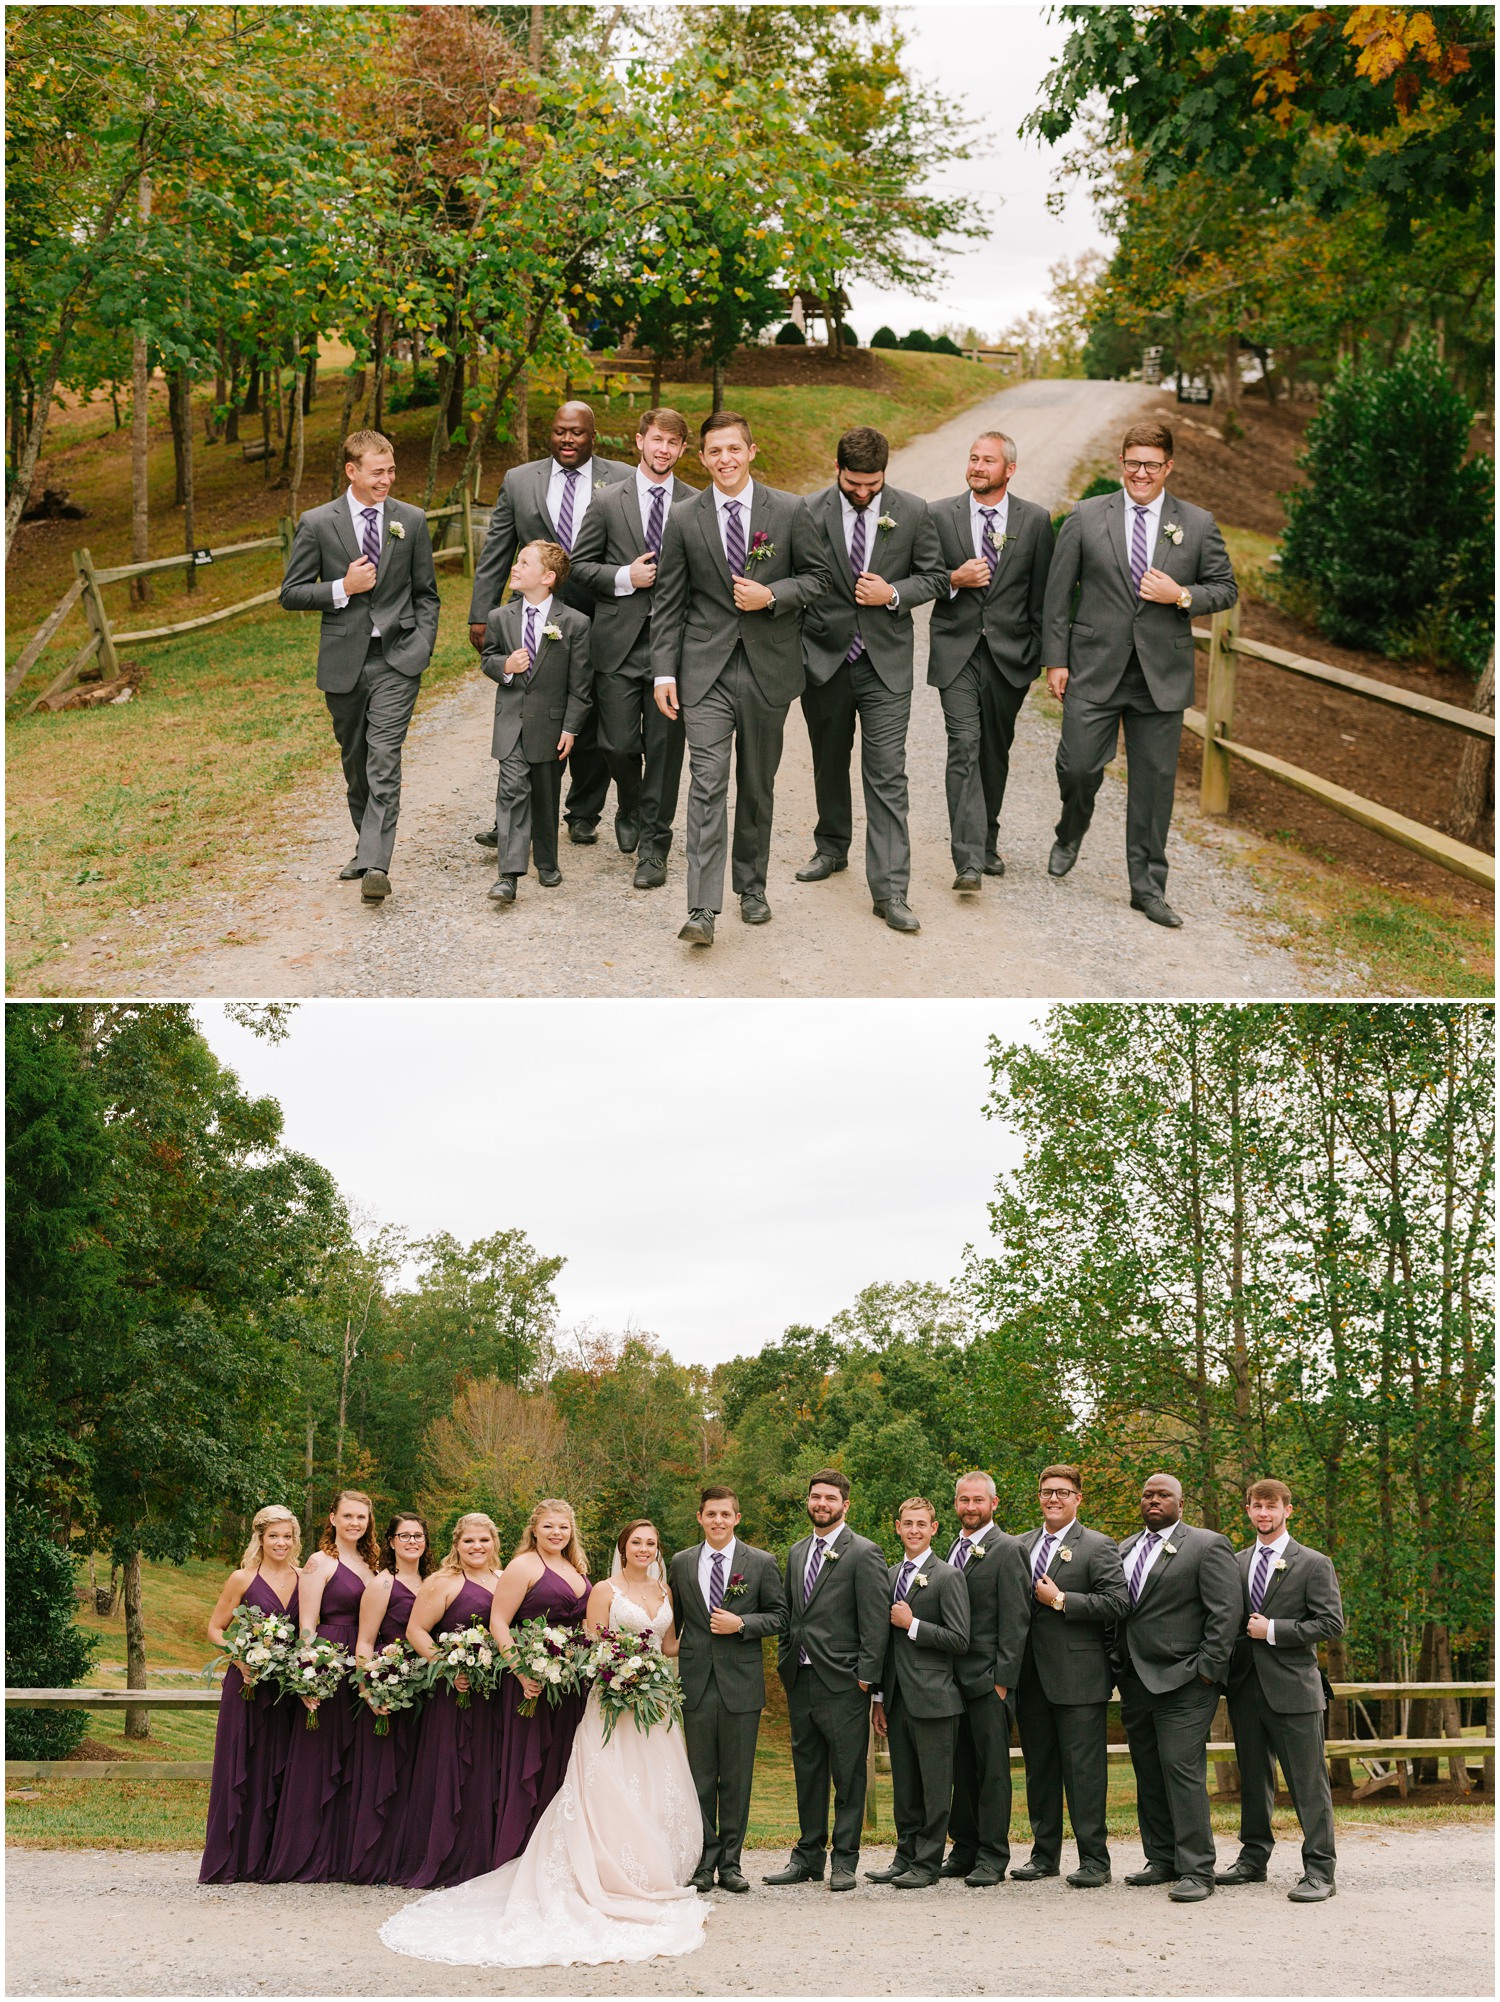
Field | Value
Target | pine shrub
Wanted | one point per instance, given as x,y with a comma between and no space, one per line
43,1647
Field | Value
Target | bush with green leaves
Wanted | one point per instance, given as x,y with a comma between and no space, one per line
848,336
945,344
1101,483
791,336
884,337
1393,534
919,341
44,1649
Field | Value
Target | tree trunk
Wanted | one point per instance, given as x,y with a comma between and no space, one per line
273,397
520,428
456,395
140,439
174,418
310,379
251,405
189,531
307,1472
266,400
1423,1709
1447,1707
221,391
1474,788
297,423
137,1722
382,344
1232,371
232,414
293,412
450,374
352,380
720,370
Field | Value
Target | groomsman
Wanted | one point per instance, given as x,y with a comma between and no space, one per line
1290,1602
918,1705
883,560
985,645
1062,1703
365,562
1144,564
615,558
739,563
832,1654
547,501
1171,1657
994,1570
727,1597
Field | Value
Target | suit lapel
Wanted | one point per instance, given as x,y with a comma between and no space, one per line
1276,1576
1004,550
829,1556
1114,507
1164,1556
1065,1541
343,523
833,523
695,1590
708,528
543,481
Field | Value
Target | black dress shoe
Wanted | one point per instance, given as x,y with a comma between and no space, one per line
490,838
969,882
1153,1874
954,1868
1088,1877
548,878
1062,858
1029,1873
375,885
699,929
731,1880
627,833
794,1874
994,865
1238,1873
983,1875
1158,910
503,891
754,909
822,867
584,832
1191,1890
702,1880
897,913
912,1880
351,871
1312,1890
886,1876
843,1880
650,873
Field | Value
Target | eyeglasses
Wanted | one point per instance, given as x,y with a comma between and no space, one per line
1144,465
1056,1494
409,1536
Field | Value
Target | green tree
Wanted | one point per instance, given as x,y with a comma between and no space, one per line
44,1648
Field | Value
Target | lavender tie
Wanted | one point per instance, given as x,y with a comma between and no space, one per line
1138,559
734,539
565,512
814,1566
653,526
1043,1558
903,1582
965,1551
369,542
857,564
716,1583
991,553
1258,1582
1138,1569
529,642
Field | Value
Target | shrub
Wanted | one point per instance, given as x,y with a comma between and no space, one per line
43,1647
419,395
884,337
791,336
848,336
946,345
1394,531
919,340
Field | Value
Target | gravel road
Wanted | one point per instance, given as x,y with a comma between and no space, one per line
1414,1916
294,930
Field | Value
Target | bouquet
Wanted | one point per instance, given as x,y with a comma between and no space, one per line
317,1669
257,1643
468,1651
552,1656
394,1679
633,1678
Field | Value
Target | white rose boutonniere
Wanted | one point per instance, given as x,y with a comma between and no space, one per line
886,521
1065,1554
1280,1564
920,1579
832,1556
551,632
997,542
394,528
1169,1549
1172,532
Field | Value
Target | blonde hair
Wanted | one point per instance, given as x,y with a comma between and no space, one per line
272,1512
574,1554
452,1564
368,1545
359,442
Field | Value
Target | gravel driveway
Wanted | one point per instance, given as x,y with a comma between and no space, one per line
1414,1916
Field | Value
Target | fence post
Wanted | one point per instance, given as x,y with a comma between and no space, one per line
1213,793
468,532
94,612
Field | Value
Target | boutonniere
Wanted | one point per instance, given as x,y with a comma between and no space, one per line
920,1579
1065,1554
551,632
1169,1550
977,1552
761,547
997,542
394,528
736,1586
886,521
832,1556
1171,531
1280,1564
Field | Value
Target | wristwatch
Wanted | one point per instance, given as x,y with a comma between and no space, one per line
1184,601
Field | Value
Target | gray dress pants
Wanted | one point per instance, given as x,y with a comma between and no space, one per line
1168,1739
980,707
370,724
733,719
1090,733
1261,1737
830,708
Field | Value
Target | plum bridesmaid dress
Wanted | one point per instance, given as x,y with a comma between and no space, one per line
312,1817
453,1797
250,1751
380,1768
534,1750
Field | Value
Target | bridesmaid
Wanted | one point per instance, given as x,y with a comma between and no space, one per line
548,1579
312,1820
455,1778
380,1766
250,1745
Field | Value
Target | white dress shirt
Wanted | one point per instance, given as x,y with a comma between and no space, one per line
1153,527
975,1536
827,1538
583,491
1162,1536
706,1568
543,613
356,512
645,487
877,1695
1278,1551
872,520
744,500
978,525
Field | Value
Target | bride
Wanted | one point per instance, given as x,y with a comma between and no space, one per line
605,1874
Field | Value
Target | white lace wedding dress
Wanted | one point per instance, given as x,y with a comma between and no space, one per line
605,1874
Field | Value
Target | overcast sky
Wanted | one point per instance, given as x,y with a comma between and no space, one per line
711,1171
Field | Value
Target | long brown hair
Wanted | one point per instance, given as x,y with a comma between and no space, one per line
575,1553
660,1560
388,1556
368,1545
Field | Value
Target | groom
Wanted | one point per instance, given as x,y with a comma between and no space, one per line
728,1598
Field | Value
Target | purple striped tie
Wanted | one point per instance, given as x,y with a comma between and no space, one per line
1138,1569
653,526
1043,1558
965,1550
903,1582
716,1583
814,1566
1258,1582
1139,563
734,539
369,542
565,512
991,553
857,564
529,642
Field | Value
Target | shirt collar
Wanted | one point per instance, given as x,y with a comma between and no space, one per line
1153,508
645,486
920,1559
976,505
1278,1548
357,510
829,1536
977,1535
872,512
542,611
743,497
711,1553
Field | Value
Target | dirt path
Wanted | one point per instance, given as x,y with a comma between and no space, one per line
298,931
1414,1916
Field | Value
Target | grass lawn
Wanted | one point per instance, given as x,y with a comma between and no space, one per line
112,809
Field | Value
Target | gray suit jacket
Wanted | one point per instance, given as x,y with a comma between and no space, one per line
1070,1650
612,536
1008,616
558,696
907,556
733,1661
696,625
1094,639
1184,1623
998,1579
520,516
1306,1606
404,603
845,1624
921,1671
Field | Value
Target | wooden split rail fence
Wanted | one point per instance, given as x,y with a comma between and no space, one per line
1215,725
106,641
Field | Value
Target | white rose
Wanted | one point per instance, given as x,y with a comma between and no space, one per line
485,1657
554,1671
